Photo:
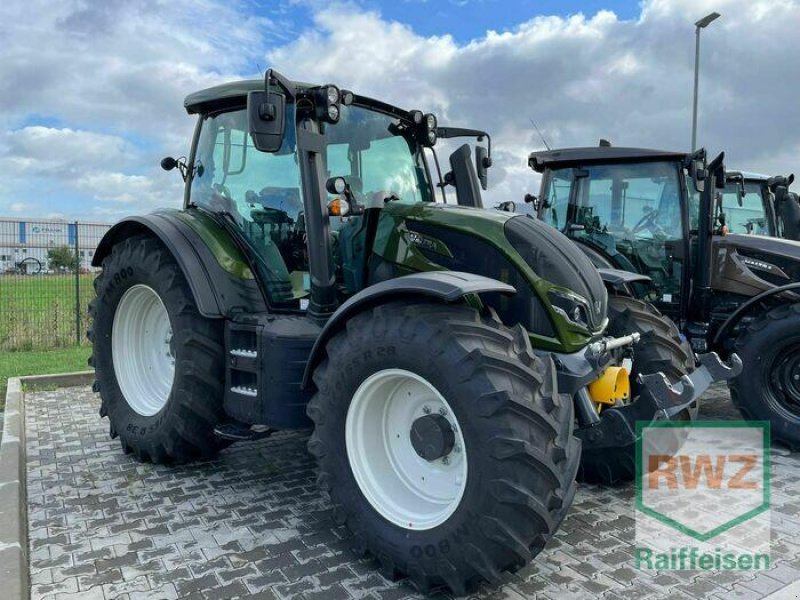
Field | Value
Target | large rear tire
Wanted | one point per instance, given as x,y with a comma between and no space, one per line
511,457
660,348
768,388
158,363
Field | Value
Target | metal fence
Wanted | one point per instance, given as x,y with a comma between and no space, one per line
46,282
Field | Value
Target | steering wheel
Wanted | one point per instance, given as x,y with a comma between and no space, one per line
648,221
266,215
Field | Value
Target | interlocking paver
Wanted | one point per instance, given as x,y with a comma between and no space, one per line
251,523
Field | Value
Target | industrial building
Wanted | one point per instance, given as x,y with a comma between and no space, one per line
24,243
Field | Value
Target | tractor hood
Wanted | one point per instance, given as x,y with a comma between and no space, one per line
750,264
560,296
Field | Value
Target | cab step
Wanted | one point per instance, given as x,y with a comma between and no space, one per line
238,432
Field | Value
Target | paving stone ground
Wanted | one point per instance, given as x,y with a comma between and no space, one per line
251,523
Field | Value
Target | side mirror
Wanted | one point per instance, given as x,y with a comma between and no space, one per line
266,116
168,163
482,164
698,173
533,201
468,191
507,206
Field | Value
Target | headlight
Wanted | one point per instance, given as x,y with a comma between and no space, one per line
333,113
573,307
333,94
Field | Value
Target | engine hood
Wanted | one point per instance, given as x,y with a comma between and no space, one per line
751,264
789,249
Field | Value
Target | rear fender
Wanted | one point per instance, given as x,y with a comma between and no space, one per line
218,291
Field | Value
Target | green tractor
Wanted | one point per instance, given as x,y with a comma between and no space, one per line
678,223
758,205
443,354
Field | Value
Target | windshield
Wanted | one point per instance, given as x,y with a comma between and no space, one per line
630,213
629,201
751,216
365,149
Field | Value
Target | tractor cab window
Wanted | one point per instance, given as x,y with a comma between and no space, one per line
364,148
632,213
751,216
261,194
555,203
381,166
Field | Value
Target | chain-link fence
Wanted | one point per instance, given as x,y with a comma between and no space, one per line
46,282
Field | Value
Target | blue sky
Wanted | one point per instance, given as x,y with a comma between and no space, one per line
91,93
465,20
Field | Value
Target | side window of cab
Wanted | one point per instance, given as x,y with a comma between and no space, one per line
260,192
555,202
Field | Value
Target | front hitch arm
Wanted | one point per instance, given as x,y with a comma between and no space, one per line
659,400
677,397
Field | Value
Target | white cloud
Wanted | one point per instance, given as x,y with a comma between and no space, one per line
581,78
92,93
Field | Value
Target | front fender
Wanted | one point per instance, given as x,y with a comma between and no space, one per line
442,286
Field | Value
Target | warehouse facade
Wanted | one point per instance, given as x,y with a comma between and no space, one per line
24,243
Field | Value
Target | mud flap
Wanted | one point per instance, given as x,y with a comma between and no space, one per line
658,401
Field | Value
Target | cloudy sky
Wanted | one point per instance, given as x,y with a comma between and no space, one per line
91,92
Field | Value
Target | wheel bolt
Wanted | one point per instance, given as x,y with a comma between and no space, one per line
446,460
456,448
426,409
797,377
443,411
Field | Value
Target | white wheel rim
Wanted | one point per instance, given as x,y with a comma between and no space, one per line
403,487
141,349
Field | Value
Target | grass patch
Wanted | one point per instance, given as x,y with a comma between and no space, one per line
38,311
16,364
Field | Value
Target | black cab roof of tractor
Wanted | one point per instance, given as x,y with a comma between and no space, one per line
235,93
566,157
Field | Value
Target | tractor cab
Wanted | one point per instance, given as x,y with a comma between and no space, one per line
626,206
760,205
256,151
644,211
757,204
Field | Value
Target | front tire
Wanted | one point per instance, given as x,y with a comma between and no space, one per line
158,363
768,388
505,489
660,348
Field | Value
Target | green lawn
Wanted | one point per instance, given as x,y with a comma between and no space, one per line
66,360
37,312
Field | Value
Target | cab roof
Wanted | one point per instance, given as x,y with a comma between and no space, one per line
750,176
234,93
221,95
213,97
565,157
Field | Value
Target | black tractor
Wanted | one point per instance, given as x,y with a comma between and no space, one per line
449,359
665,218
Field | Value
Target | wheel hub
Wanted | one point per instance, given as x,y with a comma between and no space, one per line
143,350
432,437
406,449
786,376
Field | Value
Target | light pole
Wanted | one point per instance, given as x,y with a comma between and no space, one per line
701,24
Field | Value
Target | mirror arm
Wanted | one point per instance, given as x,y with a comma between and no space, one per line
283,83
